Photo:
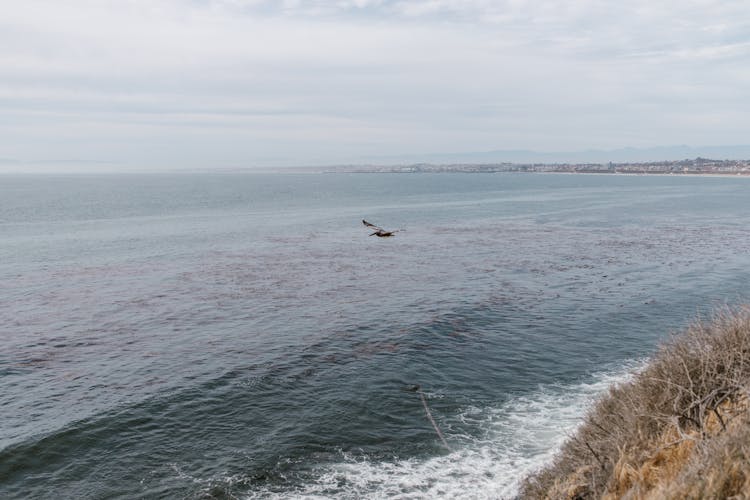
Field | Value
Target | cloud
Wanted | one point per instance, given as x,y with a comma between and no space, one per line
340,80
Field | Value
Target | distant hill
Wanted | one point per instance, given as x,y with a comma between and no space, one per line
662,153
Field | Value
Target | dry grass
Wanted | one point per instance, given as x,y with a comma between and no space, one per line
679,429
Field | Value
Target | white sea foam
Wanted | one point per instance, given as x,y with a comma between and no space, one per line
516,438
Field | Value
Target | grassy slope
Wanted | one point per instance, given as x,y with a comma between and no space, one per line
679,429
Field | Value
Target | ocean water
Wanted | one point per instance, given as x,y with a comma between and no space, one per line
241,336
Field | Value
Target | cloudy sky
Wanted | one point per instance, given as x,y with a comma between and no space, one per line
242,83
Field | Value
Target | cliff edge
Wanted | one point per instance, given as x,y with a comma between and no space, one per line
679,429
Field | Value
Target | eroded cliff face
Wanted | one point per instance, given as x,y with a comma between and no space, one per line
679,429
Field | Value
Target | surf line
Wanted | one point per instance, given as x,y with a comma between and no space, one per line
418,389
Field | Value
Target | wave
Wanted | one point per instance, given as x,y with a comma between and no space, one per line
516,438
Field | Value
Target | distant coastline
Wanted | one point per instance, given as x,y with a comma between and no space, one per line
696,166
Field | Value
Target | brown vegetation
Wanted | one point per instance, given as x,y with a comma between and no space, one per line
679,429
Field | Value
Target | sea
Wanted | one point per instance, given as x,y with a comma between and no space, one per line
242,335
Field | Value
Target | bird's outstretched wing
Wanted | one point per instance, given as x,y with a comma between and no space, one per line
371,225
379,231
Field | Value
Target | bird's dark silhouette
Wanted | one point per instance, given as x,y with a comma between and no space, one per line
379,231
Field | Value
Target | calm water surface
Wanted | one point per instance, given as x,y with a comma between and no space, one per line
240,335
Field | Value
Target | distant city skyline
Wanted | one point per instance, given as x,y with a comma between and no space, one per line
257,83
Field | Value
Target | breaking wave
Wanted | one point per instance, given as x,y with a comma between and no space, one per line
516,438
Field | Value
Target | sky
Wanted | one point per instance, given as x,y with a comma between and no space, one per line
252,83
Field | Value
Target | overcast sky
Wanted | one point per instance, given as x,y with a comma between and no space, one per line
242,83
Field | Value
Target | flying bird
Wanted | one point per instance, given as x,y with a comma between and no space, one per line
379,231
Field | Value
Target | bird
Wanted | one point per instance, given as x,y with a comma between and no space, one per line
379,231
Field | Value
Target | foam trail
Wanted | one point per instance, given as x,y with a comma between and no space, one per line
432,420
516,438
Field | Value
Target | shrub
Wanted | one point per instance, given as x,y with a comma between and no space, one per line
678,429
